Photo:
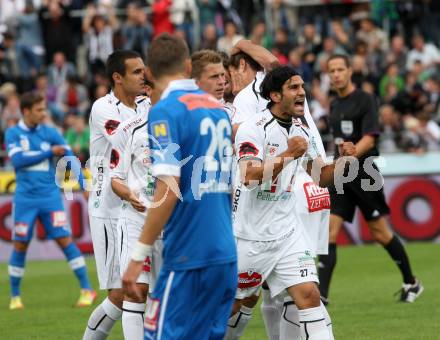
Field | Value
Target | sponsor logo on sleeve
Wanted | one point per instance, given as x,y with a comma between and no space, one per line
161,132
247,149
317,198
110,126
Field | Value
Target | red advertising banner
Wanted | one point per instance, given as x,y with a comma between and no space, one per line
414,203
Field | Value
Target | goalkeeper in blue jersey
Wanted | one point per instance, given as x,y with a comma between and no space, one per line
31,147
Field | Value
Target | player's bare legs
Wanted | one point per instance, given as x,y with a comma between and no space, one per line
133,309
78,265
380,231
240,316
327,263
311,318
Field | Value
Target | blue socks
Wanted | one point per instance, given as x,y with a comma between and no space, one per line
78,265
16,271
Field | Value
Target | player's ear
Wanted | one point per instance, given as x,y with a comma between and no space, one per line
188,67
149,75
275,96
117,78
242,65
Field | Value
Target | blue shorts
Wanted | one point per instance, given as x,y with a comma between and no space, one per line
191,304
50,212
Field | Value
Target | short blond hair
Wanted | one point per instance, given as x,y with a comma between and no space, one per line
200,59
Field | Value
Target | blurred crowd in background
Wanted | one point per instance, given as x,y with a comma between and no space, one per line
59,48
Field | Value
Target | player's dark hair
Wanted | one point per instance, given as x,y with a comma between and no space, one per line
29,99
116,63
340,56
166,55
274,81
234,61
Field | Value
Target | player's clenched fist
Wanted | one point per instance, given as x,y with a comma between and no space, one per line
58,150
297,146
347,149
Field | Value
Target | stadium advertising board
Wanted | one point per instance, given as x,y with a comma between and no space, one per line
414,202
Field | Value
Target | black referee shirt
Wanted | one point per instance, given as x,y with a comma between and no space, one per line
354,116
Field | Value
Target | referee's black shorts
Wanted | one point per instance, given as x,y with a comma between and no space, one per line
371,203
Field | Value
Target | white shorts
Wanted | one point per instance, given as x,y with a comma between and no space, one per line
105,240
128,234
282,263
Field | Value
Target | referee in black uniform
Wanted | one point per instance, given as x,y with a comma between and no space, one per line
354,118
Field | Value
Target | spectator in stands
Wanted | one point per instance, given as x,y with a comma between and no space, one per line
161,17
98,32
59,69
300,66
136,30
11,112
207,12
183,14
397,53
78,137
49,93
30,50
329,48
260,36
56,25
8,60
427,54
73,97
310,40
230,38
391,77
341,37
429,129
390,129
374,37
282,42
209,37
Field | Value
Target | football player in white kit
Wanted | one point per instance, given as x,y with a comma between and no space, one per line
133,182
271,243
126,72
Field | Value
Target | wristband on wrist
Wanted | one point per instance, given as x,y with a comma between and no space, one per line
141,251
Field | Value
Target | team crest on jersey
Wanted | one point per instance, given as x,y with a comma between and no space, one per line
247,149
24,143
249,279
45,146
111,126
58,218
317,198
161,131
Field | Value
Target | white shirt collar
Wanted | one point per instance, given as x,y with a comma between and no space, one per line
181,84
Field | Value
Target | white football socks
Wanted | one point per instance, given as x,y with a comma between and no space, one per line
102,320
133,320
313,326
289,323
271,309
237,323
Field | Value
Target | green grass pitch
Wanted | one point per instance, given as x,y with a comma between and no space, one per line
362,302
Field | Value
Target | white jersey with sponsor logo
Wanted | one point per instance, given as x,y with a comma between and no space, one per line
313,207
130,144
107,113
267,212
249,101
